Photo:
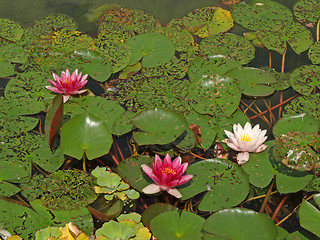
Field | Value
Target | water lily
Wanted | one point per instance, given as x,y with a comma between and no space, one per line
245,140
166,175
68,84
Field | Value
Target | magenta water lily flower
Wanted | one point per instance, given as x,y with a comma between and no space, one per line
68,84
245,140
166,175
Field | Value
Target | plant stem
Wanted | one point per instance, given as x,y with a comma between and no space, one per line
84,163
318,26
266,198
279,207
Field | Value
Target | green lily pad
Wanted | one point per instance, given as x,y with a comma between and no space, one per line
309,217
296,236
230,45
10,30
277,34
226,184
153,48
130,170
47,233
253,81
51,190
108,110
85,134
314,53
292,181
8,189
296,150
212,92
13,53
258,13
122,124
124,23
215,64
154,210
307,12
117,52
304,104
296,123
6,69
172,225
207,21
259,169
240,224
118,230
158,126
305,78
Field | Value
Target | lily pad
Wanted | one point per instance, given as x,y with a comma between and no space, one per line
296,123
307,12
309,216
240,224
8,189
158,126
314,53
213,64
153,48
10,30
305,78
253,81
85,134
154,210
13,53
51,190
212,92
226,184
172,225
6,69
277,34
230,45
207,21
258,13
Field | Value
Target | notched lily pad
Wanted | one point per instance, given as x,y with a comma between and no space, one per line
207,21
153,48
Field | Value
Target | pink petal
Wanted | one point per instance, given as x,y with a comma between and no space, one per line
185,179
157,162
56,77
174,192
172,184
54,89
242,157
166,161
151,189
176,163
147,170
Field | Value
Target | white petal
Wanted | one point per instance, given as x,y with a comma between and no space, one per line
247,127
151,189
233,146
242,157
174,192
261,148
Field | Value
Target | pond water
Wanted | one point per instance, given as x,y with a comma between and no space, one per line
26,11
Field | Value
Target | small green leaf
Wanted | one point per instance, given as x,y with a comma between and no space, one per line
309,217
118,230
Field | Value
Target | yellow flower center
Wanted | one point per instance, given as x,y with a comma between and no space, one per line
167,171
245,137
68,81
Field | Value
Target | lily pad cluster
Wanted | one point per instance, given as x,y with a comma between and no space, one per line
173,88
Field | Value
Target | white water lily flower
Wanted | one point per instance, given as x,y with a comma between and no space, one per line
245,140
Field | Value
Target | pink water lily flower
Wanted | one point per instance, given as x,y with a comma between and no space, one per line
166,175
245,140
68,84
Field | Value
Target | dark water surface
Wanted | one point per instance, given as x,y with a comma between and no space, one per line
26,11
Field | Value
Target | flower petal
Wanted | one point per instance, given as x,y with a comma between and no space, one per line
185,178
151,189
242,157
174,192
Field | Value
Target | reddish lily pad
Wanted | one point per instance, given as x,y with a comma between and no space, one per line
85,134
